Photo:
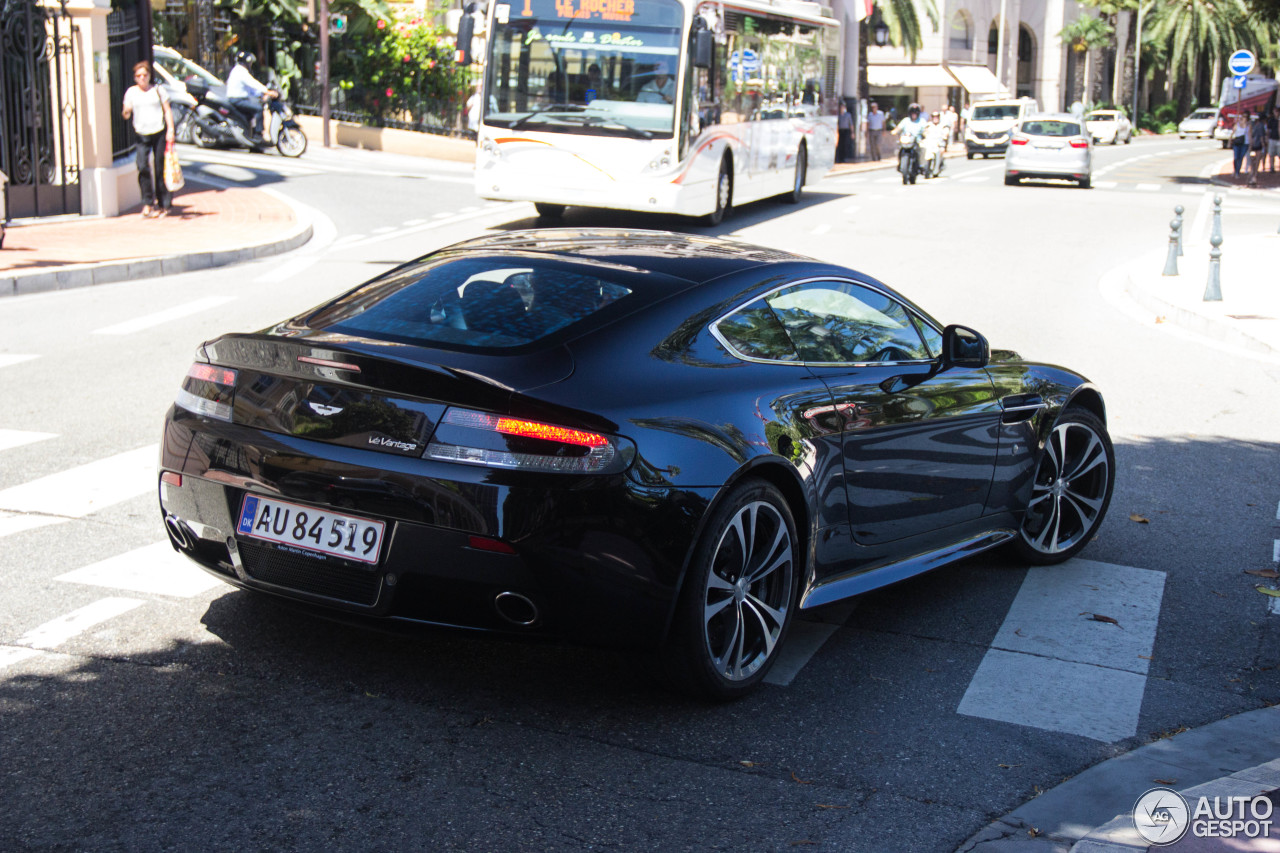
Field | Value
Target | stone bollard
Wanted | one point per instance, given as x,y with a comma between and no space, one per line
1175,238
1213,288
1177,215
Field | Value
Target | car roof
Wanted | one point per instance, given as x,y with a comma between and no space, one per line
690,257
1051,117
1107,112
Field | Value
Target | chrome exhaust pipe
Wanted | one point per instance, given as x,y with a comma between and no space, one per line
516,608
177,533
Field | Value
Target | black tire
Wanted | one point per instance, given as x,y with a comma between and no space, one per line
549,211
203,138
1075,477
724,195
1086,183
802,169
291,141
969,155
1011,181
738,598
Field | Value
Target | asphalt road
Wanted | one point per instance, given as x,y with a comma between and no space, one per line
144,706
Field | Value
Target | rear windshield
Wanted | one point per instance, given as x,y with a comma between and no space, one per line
1205,114
994,112
1101,117
473,303
1050,127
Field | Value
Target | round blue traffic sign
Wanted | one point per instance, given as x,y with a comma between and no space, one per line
1241,62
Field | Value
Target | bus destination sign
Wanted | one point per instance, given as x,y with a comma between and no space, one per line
581,10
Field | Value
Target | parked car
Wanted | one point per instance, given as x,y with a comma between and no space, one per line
1050,145
1199,124
1109,126
663,441
987,130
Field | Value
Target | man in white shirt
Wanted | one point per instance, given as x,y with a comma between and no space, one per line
661,89
246,93
875,129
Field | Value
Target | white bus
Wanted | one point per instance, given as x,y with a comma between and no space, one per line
671,106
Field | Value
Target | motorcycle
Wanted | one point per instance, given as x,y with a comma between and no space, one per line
217,123
933,156
909,156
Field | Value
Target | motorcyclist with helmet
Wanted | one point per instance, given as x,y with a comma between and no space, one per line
246,94
909,131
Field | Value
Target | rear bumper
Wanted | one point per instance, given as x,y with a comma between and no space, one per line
598,559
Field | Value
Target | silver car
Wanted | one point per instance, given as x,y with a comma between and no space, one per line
1050,145
1199,124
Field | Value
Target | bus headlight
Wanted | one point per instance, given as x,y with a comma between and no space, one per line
490,148
657,164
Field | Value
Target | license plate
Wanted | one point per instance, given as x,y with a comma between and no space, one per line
312,529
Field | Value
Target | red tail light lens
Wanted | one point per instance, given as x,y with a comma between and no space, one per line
1079,143
501,441
208,391
1019,139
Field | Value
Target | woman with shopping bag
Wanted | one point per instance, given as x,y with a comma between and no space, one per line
147,106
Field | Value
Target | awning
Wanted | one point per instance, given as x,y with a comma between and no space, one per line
908,76
977,79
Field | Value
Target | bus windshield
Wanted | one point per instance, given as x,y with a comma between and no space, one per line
602,67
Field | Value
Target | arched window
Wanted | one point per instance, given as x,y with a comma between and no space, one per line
961,31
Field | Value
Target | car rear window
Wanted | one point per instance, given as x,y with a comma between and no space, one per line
474,303
1205,114
1101,117
1050,127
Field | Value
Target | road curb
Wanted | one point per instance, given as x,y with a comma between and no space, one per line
129,269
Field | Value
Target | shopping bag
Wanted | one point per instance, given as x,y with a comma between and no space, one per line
172,169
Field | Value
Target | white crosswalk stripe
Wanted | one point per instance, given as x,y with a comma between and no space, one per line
11,438
8,359
1051,645
155,569
137,324
79,491
55,632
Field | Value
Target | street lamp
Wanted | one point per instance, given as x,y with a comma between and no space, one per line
881,33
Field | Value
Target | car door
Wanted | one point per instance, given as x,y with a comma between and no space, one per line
919,438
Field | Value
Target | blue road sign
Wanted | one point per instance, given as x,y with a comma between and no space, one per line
1240,81
1241,62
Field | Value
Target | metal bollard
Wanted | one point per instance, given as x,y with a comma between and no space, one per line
1217,217
1177,215
1175,238
1213,288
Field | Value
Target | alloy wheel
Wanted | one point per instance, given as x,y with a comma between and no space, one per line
1071,491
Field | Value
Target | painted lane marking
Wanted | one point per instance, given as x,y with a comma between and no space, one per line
9,655
9,359
11,438
821,229
77,492
54,633
409,223
1148,188
851,209
440,220
805,638
973,179
177,312
386,229
1105,185
156,569
287,270
1049,646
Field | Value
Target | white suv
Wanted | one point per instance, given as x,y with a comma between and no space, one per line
988,128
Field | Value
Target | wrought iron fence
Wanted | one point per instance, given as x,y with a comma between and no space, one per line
125,48
445,117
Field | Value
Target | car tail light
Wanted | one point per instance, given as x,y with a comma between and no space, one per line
1079,143
208,391
1019,139
499,441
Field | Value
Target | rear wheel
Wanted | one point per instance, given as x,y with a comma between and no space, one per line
1011,181
203,137
802,167
1071,491
738,597
1085,183
724,195
549,211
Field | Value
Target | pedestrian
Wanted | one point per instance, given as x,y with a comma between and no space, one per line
950,120
1239,142
147,106
1257,146
875,127
1273,136
844,130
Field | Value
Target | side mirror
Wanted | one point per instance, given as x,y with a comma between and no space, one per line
963,347
466,30
703,41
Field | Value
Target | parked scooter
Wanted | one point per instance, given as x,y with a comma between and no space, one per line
217,123
909,156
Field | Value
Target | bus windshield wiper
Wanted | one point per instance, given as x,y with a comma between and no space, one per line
599,120
549,108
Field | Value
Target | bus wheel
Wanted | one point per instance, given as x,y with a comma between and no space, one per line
549,211
724,195
802,167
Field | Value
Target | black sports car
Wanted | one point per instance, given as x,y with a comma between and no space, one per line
636,437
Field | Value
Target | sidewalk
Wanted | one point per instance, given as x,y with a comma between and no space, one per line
207,227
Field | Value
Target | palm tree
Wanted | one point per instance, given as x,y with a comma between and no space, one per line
1083,35
1200,34
1109,11
904,31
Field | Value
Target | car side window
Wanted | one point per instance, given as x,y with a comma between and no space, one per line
833,322
932,337
753,331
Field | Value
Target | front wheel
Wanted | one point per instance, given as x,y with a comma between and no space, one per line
724,195
549,211
1071,491
291,141
738,596
797,187
203,136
